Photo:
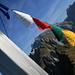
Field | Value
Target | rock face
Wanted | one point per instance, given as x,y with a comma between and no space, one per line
44,54
67,59
71,15
55,57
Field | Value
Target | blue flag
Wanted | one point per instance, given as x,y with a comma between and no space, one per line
4,10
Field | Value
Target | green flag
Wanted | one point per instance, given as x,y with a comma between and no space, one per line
57,32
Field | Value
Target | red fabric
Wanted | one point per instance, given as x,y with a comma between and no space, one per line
41,25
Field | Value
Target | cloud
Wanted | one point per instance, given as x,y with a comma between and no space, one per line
54,12
51,10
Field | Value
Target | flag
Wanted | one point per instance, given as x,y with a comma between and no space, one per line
4,10
57,32
69,36
62,34
25,18
40,24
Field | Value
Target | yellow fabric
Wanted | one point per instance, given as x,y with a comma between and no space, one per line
70,36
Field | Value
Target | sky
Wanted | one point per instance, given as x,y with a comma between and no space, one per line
50,11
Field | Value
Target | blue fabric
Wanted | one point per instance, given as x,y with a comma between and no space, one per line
5,12
6,8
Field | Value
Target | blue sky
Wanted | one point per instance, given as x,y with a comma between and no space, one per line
50,11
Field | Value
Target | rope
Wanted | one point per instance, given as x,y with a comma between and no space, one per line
4,26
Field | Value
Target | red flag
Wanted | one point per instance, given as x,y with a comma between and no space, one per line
41,25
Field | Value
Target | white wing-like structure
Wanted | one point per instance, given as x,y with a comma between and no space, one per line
25,18
13,61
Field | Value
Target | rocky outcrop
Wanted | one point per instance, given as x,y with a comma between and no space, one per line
43,53
67,59
54,57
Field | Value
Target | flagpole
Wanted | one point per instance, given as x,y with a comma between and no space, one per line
4,26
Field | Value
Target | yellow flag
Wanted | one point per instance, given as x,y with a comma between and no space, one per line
70,36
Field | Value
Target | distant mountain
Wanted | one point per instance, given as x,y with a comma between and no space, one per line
69,22
55,57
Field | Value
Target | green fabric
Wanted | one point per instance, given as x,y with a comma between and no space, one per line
57,32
